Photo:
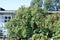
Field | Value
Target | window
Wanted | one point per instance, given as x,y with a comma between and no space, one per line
7,18
5,21
1,33
0,30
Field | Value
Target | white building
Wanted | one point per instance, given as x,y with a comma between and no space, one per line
5,15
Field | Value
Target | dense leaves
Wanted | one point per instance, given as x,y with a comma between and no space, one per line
34,23
25,22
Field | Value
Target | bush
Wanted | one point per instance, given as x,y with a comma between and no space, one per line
34,24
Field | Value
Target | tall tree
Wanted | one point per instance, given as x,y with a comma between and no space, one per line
35,23
25,22
50,5
41,3
36,2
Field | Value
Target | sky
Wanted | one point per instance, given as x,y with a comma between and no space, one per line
14,4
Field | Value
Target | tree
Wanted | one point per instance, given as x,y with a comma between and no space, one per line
50,5
18,27
36,2
25,22
43,3
33,23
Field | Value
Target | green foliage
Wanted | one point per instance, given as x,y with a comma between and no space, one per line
34,23
51,29
47,4
36,2
25,22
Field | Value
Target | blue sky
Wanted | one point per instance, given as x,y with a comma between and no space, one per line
13,4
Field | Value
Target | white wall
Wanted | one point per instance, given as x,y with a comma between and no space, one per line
2,23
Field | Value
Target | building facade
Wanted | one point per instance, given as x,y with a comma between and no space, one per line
5,15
